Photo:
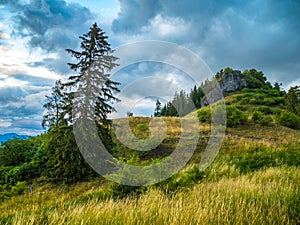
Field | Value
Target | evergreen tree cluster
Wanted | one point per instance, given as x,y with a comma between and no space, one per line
86,96
183,103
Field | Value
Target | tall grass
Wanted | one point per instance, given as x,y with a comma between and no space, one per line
270,196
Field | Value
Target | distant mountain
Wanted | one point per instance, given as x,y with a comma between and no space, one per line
11,136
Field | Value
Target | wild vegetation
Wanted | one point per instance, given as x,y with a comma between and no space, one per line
254,179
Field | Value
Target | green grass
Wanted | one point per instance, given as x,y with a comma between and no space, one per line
253,180
270,196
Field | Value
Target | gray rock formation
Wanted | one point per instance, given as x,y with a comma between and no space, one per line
229,82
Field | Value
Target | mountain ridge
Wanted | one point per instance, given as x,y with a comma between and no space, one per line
11,136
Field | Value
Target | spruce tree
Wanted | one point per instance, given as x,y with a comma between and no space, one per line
54,107
95,91
157,111
87,95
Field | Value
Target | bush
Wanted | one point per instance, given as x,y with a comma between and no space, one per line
204,115
260,118
265,109
187,177
142,127
142,131
288,119
235,117
19,188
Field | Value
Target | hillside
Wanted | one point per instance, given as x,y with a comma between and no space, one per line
255,177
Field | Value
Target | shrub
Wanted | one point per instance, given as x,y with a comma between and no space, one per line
142,127
260,118
185,178
19,188
142,131
265,109
288,119
235,117
204,115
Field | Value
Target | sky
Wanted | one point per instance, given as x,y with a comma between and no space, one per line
261,34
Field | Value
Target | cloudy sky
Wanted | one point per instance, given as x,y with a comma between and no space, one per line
261,34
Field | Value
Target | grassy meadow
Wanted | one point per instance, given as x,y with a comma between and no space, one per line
254,179
269,196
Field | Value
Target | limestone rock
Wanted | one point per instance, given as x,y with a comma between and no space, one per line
230,82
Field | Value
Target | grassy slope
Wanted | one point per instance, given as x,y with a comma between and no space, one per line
270,196
253,180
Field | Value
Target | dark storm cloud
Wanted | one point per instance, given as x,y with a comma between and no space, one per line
21,101
11,94
52,24
134,14
34,81
240,34
27,124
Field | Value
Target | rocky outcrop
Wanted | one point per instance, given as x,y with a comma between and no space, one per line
230,82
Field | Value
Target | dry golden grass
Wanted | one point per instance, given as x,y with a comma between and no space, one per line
264,197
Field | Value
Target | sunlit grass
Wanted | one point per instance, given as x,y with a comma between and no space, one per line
269,196
253,180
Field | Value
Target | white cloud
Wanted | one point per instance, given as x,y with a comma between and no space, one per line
4,35
139,106
293,84
5,124
15,58
12,82
162,27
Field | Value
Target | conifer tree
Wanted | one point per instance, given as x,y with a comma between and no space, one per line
54,114
88,95
95,91
158,109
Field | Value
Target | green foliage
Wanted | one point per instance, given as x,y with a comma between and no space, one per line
187,177
235,117
142,127
204,115
86,97
142,130
181,104
288,119
263,157
54,106
266,97
95,91
21,160
292,100
122,191
65,163
261,118
265,109
16,152
256,79
157,111
196,95
19,188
